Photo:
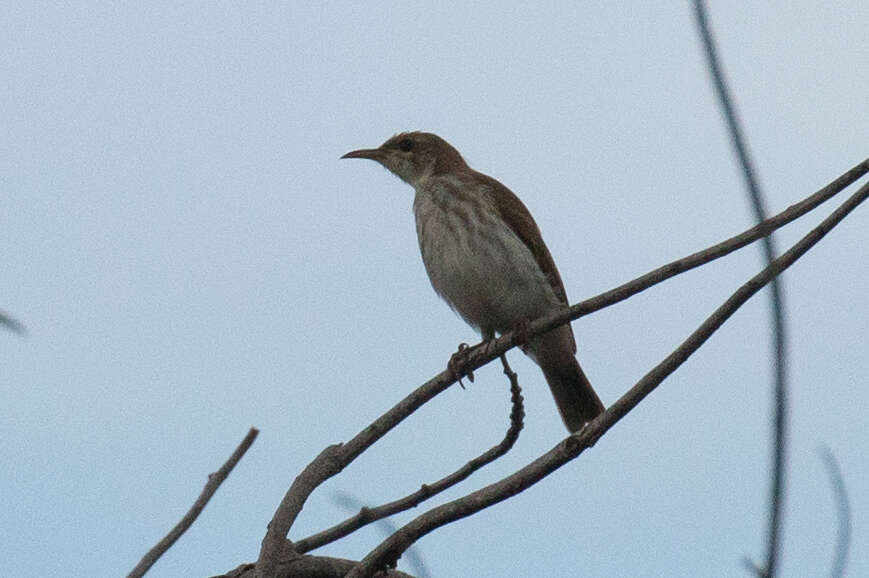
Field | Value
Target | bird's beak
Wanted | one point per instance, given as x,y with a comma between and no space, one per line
373,154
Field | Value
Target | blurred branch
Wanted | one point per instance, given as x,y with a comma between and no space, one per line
843,507
11,323
780,389
386,554
335,458
414,560
369,515
214,481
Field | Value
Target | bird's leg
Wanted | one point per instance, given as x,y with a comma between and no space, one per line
488,339
520,334
457,362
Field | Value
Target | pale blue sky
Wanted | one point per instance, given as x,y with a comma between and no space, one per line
191,258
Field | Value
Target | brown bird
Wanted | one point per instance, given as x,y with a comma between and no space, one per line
486,258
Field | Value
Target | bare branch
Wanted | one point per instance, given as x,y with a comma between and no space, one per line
214,481
330,462
308,567
369,515
840,494
386,554
777,487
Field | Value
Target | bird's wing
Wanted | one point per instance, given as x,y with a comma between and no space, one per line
519,219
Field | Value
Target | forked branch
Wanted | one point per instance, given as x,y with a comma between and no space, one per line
369,515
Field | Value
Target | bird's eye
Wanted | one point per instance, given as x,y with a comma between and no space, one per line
405,144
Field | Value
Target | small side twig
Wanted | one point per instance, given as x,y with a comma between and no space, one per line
843,508
214,481
385,555
369,515
517,415
843,536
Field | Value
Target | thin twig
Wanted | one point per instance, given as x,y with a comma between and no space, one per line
385,555
11,323
780,388
336,457
517,413
369,515
843,508
214,481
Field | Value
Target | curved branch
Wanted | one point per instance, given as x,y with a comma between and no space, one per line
390,550
840,494
214,481
780,390
369,515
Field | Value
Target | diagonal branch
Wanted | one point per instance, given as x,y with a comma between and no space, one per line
336,457
369,515
388,552
214,481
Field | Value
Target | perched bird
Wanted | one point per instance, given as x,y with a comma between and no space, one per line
486,258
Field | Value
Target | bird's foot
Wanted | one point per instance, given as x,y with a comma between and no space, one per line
457,363
520,334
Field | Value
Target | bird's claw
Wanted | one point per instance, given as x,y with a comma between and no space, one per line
520,334
457,362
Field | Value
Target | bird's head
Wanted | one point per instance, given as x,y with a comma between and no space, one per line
414,156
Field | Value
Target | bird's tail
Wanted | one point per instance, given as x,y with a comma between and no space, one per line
575,397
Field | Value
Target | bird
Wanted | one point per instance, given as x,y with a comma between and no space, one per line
486,258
